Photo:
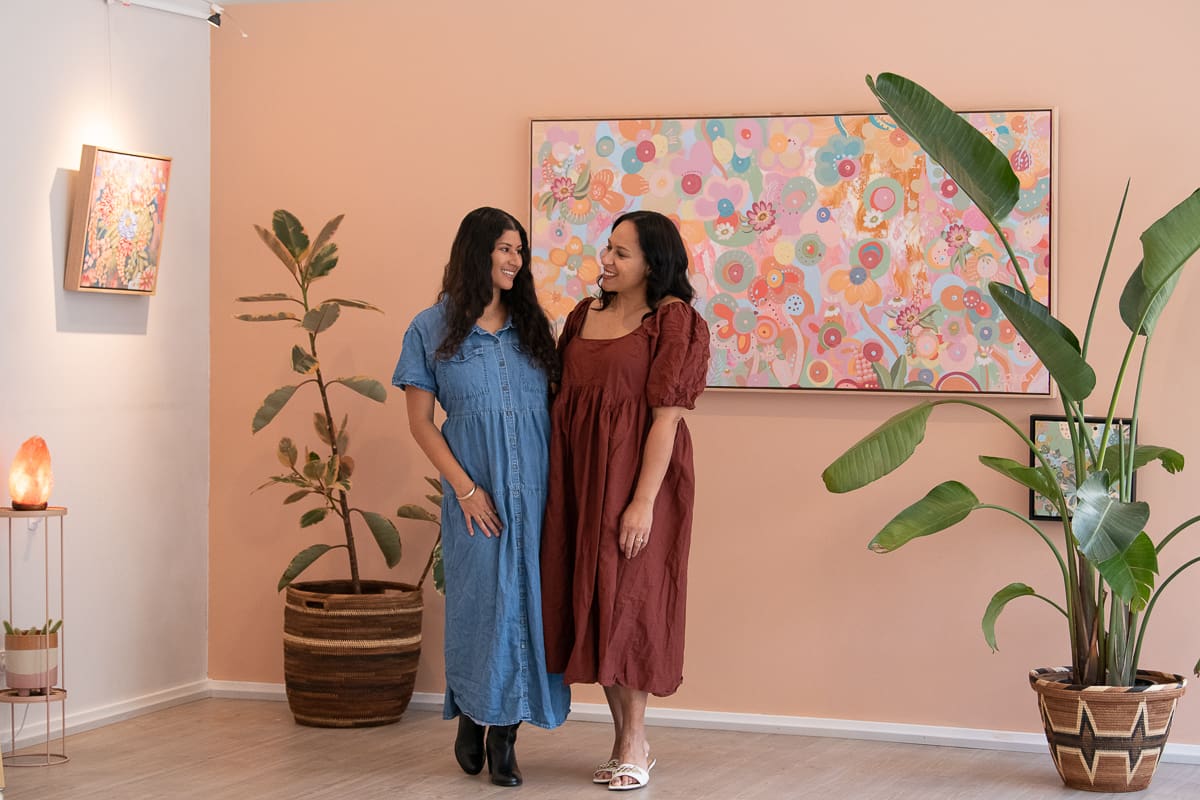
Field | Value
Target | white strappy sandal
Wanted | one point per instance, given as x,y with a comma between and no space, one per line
640,776
607,768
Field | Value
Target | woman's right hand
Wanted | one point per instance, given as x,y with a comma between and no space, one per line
478,509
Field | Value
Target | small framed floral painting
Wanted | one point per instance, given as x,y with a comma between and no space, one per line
827,252
117,223
1052,437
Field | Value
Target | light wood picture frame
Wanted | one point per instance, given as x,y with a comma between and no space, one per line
117,222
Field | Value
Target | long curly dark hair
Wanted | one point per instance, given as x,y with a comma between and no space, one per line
467,288
666,258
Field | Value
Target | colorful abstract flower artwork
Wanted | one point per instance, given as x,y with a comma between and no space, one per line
827,252
117,228
1051,436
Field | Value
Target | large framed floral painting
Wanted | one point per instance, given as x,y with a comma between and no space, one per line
117,224
827,252
1052,437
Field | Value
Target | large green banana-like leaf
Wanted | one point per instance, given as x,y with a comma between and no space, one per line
1103,526
999,600
976,165
386,536
879,452
1035,478
1170,242
301,562
1053,342
945,505
1143,454
1131,574
290,233
1137,302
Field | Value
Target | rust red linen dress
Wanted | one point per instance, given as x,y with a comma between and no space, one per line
609,619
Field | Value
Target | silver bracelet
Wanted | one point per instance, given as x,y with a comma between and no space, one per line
467,496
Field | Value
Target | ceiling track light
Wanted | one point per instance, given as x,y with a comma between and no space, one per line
198,9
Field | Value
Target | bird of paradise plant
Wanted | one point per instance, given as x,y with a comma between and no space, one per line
1108,561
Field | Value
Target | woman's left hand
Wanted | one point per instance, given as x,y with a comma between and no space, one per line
635,527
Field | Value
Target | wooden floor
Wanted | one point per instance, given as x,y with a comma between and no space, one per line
252,749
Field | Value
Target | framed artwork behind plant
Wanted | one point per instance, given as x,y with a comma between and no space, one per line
828,252
117,222
1051,435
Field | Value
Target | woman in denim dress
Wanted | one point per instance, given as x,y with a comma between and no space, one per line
486,354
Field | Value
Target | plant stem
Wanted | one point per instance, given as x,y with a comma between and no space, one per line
347,524
1137,650
1087,336
1057,556
1175,532
429,561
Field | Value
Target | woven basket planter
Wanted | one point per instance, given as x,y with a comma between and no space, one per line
350,660
1107,738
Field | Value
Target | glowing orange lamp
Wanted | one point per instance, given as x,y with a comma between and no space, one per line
30,478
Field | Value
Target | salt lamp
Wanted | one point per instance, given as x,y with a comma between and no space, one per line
30,478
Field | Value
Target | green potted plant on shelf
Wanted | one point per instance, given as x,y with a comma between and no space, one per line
1108,560
351,646
31,658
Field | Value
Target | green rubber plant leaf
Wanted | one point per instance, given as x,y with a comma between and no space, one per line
1130,574
439,578
436,499
1053,342
290,233
296,497
435,483
1105,527
302,360
321,426
265,298
969,157
1035,478
946,505
321,318
1170,242
277,247
999,600
1143,454
367,387
386,536
348,303
313,516
1138,303
286,452
880,451
322,262
327,233
277,316
301,562
271,406
414,511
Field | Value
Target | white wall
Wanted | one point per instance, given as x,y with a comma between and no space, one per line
117,385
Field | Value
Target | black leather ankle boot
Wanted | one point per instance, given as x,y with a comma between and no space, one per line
468,745
502,755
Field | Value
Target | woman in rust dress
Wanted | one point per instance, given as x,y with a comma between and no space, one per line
619,511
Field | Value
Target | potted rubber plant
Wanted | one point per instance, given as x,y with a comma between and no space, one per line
1105,550
351,646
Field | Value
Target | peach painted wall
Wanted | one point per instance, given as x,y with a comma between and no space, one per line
405,118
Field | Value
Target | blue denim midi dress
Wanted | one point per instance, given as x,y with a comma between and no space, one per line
498,427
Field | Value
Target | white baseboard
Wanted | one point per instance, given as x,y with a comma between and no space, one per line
33,732
977,738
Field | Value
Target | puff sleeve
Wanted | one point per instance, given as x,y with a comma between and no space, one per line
415,367
679,360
